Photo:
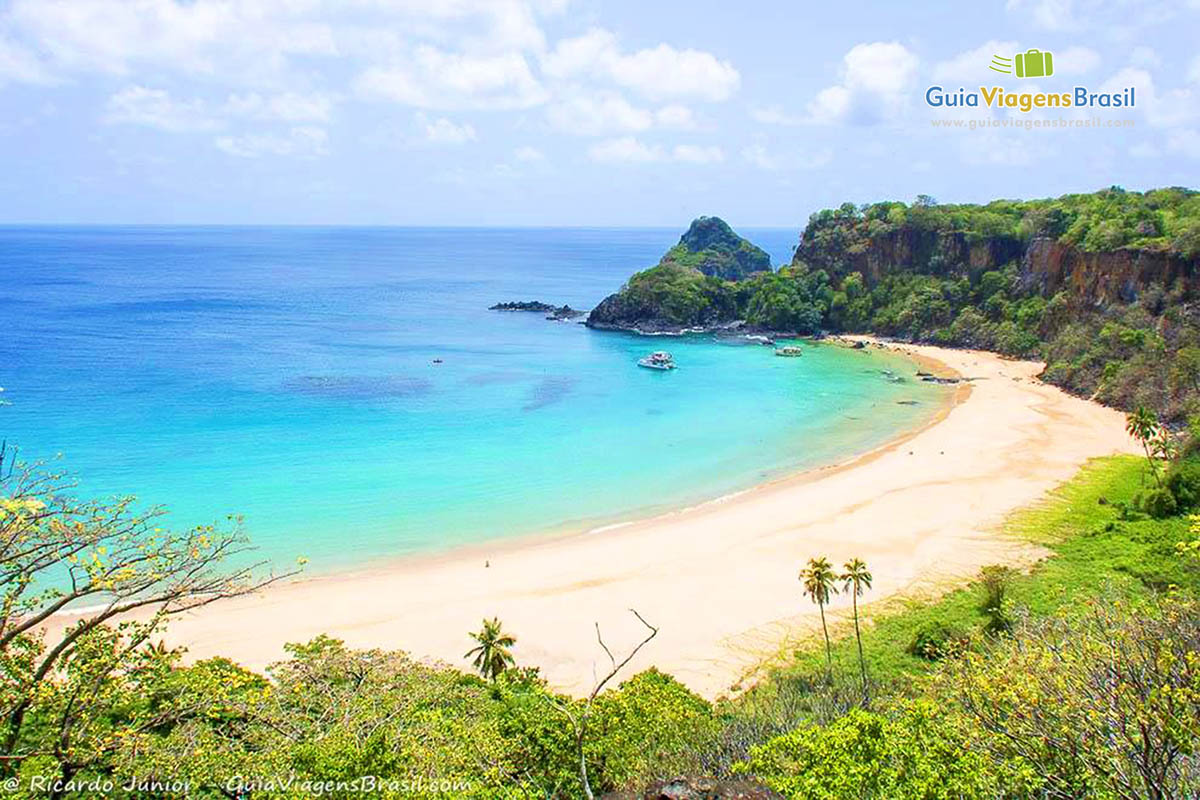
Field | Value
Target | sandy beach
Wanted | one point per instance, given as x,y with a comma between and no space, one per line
720,579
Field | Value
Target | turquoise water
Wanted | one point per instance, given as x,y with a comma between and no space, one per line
286,374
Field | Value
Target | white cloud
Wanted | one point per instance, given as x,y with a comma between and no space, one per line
589,54
155,108
830,105
529,154
658,73
675,116
286,106
876,85
606,112
204,37
1115,19
299,142
758,155
19,65
697,154
436,79
664,72
630,150
443,131
775,115
1051,15
624,150
1162,108
975,64
1075,61
598,114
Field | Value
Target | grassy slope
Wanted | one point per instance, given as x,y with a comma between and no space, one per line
1092,548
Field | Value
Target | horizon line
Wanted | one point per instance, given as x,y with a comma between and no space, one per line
447,226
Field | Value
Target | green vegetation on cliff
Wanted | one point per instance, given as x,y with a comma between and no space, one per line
710,247
1160,220
710,278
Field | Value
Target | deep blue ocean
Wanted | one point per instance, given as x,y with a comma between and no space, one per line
287,374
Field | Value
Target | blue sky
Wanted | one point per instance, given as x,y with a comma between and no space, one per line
564,112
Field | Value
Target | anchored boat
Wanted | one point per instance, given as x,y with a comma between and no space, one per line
789,351
657,360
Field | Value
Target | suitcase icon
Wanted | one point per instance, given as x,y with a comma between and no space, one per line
1034,64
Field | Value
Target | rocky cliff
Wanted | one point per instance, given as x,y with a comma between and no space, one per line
1104,278
1045,265
909,249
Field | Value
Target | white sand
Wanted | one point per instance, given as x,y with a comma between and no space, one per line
720,580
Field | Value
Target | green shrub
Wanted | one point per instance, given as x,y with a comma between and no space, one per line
914,755
937,640
995,581
1159,503
1183,482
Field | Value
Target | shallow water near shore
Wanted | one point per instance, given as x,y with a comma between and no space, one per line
288,374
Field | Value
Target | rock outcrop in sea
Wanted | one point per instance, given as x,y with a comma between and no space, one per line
552,312
691,287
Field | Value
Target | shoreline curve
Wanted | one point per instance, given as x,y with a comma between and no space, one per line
719,577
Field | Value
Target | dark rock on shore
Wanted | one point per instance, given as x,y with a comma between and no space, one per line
564,312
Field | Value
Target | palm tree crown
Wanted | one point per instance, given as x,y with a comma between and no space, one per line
492,655
857,578
818,578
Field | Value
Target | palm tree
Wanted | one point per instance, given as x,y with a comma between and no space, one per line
1144,426
856,580
492,655
818,579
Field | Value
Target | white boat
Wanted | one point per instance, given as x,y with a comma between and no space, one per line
657,360
789,351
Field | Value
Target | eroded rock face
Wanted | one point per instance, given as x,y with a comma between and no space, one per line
913,250
1104,278
700,789
1046,266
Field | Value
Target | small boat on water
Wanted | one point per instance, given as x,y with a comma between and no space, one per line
789,351
657,360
